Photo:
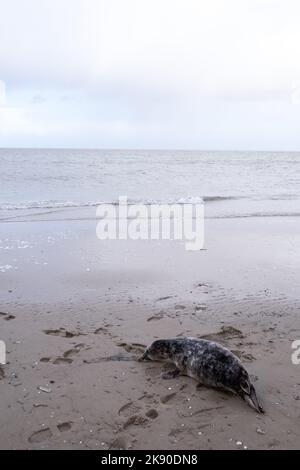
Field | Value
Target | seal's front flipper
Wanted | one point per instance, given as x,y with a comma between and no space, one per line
199,387
170,374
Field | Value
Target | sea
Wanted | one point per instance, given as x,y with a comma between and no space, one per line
231,183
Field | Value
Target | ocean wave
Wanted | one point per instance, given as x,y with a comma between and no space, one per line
46,205
58,204
223,198
254,215
69,204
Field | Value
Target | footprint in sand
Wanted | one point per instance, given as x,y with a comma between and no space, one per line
40,436
133,415
62,360
103,331
129,409
167,297
245,357
7,316
201,284
179,307
62,333
226,332
67,355
132,347
74,351
156,317
119,443
166,398
136,420
200,308
176,432
152,414
64,427
148,398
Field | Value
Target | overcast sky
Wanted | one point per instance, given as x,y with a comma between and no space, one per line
214,74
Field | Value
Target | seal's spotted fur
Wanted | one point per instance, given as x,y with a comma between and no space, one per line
208,362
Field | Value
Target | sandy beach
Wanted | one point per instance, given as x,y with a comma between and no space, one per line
76,312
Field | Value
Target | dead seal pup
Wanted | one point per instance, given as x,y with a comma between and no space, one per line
206,361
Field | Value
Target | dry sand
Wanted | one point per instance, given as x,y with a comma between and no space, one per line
76,312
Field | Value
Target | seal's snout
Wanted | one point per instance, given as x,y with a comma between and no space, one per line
247,392
144,357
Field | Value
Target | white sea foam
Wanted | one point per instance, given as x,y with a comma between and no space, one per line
5,268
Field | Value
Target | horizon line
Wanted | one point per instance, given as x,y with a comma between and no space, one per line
154,149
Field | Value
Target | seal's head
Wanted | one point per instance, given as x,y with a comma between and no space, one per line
247,392
159,350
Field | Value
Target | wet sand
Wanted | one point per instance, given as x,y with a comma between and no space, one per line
76,312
